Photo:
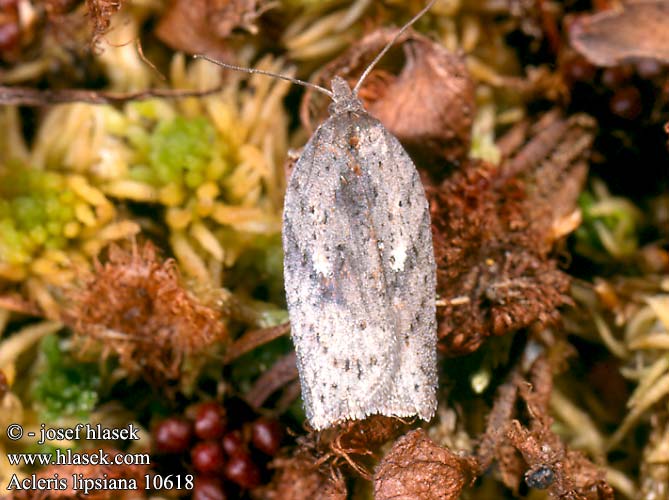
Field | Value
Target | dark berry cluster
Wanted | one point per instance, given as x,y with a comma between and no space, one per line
622,87
225,454
631,104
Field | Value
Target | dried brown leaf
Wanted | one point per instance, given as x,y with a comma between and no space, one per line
639,29
136,307
494,229
417,468
226,15
203,26
428,106
186,26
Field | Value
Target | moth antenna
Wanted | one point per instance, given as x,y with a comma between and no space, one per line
253,71
369,68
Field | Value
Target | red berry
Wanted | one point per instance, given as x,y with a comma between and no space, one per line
626,103
10,35
266,435
207,457
242,470
615,76
233,444
172,435
208,488
578,69
209,420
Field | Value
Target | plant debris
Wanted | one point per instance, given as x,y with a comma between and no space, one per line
429,106
25,96
638,29
135,307
532,451
203,27
100,13
416,467
302,477
494,229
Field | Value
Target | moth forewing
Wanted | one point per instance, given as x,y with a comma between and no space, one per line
360,273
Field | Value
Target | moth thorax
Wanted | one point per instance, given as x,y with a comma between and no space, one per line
343,98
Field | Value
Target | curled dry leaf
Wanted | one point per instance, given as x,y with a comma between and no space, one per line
416,467
203,26
639,29
428,106
494,229
136,307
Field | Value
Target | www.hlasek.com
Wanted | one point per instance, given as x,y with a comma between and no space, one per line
100,477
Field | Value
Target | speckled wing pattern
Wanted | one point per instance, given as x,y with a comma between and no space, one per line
360,275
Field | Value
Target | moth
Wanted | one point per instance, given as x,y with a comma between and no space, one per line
359,268
359,272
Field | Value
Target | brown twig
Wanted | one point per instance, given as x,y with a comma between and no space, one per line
280,374
252,339
27,96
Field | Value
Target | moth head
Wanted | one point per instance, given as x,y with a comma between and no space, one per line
343,98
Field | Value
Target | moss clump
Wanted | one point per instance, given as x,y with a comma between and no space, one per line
37,210
64,387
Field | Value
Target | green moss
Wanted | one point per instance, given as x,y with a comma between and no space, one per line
64,387
180,152
621,220
34,208
259,270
